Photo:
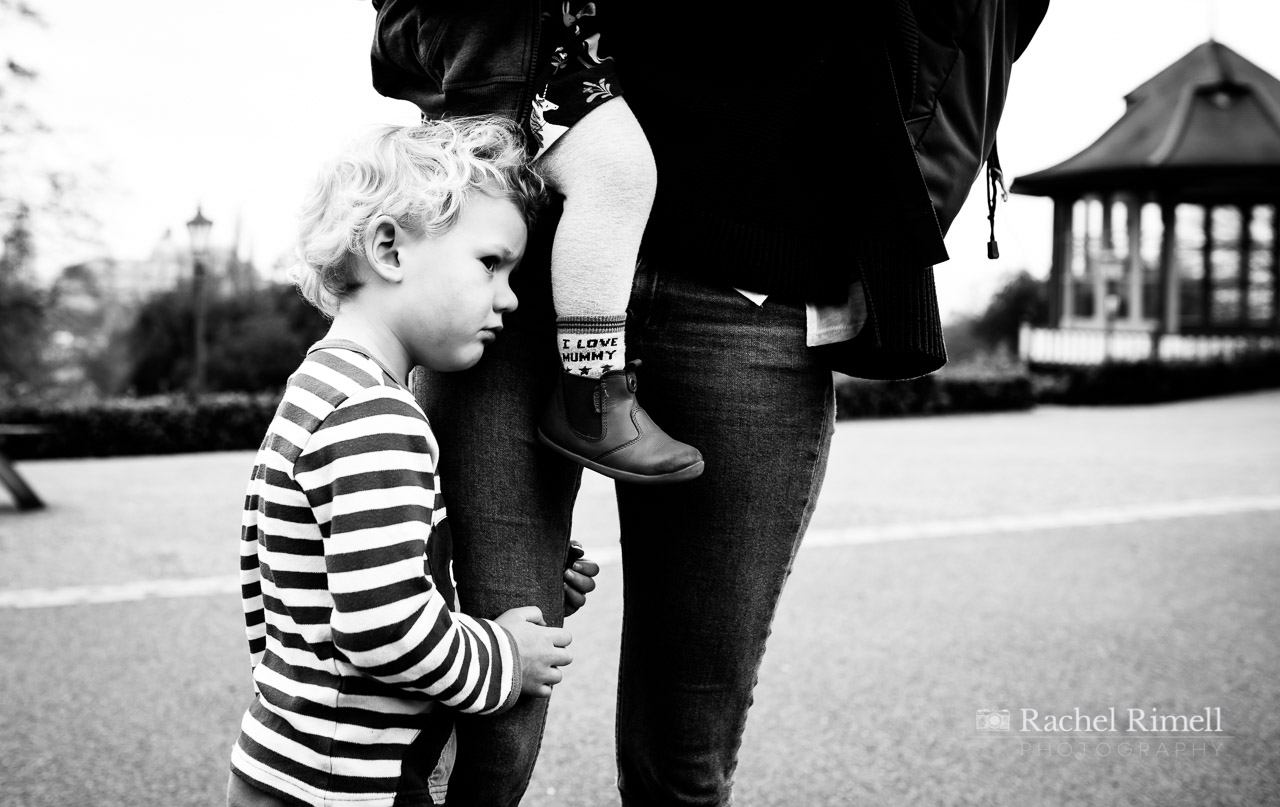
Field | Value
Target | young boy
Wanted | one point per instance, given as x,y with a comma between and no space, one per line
359,654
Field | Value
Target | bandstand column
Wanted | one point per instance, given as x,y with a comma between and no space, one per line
1206,279
1246,247
1275,267
1133,218
1060,263
1168,267
1092,265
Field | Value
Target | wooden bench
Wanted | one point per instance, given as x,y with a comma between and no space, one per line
25,497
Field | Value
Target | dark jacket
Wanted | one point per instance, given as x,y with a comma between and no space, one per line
457,57
937,77
793,169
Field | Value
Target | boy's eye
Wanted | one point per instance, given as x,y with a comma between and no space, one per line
490,262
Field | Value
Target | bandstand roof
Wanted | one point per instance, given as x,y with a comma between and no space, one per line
1207,125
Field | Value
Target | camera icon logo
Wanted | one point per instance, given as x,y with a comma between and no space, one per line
993,719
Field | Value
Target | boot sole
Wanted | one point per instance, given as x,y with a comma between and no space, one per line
682,475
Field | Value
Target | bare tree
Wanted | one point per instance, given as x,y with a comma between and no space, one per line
30,190
30,187
23,308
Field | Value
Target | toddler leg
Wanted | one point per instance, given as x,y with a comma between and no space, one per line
604,169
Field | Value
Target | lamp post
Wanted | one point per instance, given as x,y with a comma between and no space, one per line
198,228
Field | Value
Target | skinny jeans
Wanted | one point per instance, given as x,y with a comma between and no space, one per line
704,562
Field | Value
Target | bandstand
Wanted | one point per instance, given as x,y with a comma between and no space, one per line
1165,230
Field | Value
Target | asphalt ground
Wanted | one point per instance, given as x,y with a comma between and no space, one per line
1110,558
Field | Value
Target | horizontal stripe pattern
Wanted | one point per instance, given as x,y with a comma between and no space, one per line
354,647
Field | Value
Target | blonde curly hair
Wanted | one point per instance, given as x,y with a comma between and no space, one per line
418,175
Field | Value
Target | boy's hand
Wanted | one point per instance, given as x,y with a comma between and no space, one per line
542,649
578,578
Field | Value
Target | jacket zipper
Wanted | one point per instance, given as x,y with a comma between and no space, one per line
995,182
525,109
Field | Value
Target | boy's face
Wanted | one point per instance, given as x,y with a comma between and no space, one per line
457,286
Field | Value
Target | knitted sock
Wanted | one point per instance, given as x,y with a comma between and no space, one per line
592,346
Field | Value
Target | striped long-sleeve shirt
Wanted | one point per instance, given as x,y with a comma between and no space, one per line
354,639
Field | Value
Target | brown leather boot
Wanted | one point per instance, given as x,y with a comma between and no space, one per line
598,423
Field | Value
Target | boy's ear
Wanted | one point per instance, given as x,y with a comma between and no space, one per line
382,243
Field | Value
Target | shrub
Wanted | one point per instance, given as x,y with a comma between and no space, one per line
166,424
1155,382
170,424
1022,298
161,424
990,383
254,341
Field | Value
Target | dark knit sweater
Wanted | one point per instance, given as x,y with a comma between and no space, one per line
786,161
754,175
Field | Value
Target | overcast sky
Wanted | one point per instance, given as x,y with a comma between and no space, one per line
233,105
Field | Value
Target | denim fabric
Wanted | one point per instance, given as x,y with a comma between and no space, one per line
510,504
704,562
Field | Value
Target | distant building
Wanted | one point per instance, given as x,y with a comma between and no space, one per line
97,299
88,307
1165,229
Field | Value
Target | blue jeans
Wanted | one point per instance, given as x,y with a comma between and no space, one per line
704,562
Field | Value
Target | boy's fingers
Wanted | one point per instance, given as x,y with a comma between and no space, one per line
560,637
587,567
573,599
576,551
579,582
532,613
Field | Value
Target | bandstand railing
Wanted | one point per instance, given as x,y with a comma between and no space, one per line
1083,346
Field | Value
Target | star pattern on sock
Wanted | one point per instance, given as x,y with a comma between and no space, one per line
591,346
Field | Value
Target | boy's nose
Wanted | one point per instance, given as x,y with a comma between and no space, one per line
505,301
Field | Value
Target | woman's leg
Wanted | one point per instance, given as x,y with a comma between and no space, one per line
704,562
509,503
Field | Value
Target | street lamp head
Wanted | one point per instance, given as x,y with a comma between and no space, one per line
199,228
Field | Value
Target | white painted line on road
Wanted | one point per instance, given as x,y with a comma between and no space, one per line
607,556
124,592
993,525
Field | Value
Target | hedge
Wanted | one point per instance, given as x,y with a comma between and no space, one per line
940,393
161,424
1145,382
172,424
169,424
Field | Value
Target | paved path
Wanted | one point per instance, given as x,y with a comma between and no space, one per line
1062,558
